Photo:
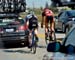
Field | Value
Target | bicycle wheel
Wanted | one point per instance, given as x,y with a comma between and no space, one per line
47,37
33,48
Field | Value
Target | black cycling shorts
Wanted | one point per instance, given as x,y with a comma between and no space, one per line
49,18
33,26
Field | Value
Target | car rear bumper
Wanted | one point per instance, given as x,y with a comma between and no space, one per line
14,36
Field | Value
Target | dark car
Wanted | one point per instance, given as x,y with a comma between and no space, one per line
64,50
13,30
65,20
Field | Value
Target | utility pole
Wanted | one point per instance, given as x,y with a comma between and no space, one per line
33,5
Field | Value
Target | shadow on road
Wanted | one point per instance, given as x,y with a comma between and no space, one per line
6,48
40,46
4,45
19,51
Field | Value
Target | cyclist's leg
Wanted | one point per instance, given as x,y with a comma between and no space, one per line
46,27
36,34
52,26
30,36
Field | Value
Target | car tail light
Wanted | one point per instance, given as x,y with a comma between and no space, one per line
22,28
1,31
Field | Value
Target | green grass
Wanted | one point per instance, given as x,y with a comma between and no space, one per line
38,16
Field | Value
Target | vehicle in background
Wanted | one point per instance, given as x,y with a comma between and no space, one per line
13,6
13,30
65,20
64,50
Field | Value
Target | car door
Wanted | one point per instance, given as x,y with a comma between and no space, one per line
61,20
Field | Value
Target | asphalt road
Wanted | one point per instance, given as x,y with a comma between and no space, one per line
24,53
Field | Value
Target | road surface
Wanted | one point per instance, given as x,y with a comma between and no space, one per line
24,53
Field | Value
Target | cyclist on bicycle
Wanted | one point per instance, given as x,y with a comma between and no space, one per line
32,23
47,16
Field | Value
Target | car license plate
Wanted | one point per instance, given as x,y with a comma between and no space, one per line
34,25
9,30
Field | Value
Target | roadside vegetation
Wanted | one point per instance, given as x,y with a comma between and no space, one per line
38,11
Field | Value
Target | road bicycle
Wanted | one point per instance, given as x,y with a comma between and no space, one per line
51,37
34,41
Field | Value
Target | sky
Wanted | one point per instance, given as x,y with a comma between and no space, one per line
37,3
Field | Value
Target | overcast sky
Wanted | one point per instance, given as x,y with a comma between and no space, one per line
37,3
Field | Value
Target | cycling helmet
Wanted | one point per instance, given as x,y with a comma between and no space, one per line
30,12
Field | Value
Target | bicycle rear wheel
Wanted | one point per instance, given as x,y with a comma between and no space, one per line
47,37
52,37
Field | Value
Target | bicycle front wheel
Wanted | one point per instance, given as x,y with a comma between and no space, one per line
34,45
33,49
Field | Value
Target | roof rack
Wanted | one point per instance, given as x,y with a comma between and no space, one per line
12,6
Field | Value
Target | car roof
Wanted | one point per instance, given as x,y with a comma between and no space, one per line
64,11
68,10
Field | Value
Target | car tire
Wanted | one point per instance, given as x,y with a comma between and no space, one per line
56,30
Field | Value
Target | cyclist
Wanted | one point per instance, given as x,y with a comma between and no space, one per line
47,16
30,22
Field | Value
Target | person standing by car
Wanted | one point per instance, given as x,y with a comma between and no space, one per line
31,20
47,16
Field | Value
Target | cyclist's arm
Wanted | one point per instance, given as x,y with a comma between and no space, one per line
27,21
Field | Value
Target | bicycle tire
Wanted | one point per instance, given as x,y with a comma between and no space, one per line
52,38
47,40
33,48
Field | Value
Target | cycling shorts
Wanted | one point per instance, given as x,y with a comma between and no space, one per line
33,26
49,18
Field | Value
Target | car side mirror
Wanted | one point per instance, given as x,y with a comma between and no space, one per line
54,47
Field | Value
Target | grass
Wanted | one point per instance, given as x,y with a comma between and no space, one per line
38,16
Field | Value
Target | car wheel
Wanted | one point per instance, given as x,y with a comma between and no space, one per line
56,30
63,28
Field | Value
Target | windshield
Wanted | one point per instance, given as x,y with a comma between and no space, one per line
71,13
71,38
11,21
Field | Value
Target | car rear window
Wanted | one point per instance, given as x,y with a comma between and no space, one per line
11,21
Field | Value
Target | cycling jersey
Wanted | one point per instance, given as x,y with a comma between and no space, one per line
33,21
47,12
